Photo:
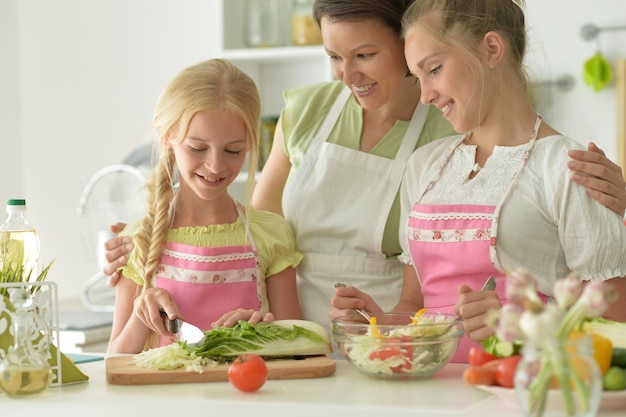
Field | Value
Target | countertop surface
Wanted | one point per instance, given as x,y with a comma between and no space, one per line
346,393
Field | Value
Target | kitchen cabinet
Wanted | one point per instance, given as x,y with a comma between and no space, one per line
273,69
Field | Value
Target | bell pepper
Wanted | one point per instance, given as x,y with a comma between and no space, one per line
602,349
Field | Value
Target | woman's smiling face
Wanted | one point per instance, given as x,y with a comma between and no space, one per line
367,56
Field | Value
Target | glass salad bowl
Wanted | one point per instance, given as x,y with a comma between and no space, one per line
398,345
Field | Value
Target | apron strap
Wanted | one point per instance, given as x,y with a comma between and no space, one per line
408,144
413,132
409,141
257,260
495,259
331,118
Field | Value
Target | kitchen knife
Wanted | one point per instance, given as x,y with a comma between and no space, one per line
184,331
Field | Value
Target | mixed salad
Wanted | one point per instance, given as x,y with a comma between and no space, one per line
417,349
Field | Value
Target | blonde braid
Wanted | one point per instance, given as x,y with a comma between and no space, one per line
152,236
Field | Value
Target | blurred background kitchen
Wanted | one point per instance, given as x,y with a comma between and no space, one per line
79,80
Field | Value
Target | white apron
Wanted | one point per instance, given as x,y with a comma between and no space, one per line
338,201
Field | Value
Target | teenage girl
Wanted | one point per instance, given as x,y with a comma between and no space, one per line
498,196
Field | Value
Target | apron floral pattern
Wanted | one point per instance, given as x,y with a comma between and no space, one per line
454,244
207,282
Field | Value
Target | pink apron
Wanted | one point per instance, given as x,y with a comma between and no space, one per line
208,282
454,244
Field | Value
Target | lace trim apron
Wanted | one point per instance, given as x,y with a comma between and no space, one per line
454,244
207,282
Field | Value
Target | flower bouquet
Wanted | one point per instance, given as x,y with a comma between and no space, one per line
553,358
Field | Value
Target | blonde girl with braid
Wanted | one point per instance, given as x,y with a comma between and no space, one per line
199,255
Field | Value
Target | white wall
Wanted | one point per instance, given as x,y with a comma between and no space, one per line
79,80
556,48
11,183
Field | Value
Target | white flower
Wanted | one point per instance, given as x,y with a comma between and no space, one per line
541,325
547,325
567,290
597,297
521,288
508,327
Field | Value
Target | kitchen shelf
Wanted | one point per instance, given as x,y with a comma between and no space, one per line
288,54
273,69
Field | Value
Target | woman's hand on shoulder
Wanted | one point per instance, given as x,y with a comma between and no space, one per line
251,316
603,179
116,251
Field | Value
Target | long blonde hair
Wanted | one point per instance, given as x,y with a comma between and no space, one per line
211,84
462,25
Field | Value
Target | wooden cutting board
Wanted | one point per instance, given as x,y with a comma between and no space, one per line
121,370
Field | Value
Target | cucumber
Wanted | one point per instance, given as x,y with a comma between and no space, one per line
500,348
506,349
619,357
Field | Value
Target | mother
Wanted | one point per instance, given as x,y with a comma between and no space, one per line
340,152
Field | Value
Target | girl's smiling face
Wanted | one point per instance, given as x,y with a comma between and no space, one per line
447,80
368,57
212,153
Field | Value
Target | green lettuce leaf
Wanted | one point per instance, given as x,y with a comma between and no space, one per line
277,339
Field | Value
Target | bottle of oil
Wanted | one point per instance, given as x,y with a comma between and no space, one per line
19,242
25,369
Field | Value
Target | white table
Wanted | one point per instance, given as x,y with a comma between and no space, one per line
347,393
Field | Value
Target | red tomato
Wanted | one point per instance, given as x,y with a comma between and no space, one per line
405,352
248,372
478,356
506,371
493,365
386,353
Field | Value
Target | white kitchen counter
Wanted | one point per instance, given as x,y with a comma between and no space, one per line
347,393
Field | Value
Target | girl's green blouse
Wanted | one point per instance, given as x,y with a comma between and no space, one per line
272,235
